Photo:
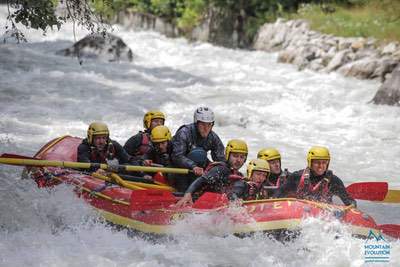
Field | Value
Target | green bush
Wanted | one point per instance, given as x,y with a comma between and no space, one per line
373,18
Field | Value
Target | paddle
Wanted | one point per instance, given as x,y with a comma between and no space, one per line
392,196
25,161
7,155
136,179
392,230
373,191
115,178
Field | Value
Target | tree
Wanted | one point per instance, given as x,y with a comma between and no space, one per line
45,14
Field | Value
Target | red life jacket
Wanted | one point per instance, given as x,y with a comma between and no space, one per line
102,156
307,190
234,176
262,193
145,144
256,192
273,184
226,189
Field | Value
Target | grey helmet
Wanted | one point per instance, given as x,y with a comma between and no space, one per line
204,114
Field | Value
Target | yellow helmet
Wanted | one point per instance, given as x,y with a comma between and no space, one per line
317,152
150,115
268,154
160,134
235,145
96,128
257,165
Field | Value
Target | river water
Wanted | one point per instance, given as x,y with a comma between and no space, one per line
43,96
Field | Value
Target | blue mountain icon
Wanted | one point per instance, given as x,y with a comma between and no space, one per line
372,235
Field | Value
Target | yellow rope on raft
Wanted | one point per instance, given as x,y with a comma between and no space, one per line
53,143
97,194
131,185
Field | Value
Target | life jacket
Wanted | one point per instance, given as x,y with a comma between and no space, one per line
269,187
234,176
225,187
144,145
269,183
256,192
103,156
319,192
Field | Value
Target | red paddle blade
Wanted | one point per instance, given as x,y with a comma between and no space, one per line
151,199
210,201
160,178
14,156
392,230
373,191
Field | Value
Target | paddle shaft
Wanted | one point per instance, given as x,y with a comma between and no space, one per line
83,165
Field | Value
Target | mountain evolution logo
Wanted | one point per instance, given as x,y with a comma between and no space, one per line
376,248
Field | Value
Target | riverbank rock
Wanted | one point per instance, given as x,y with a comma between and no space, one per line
357,57
389,92
106,47
218,26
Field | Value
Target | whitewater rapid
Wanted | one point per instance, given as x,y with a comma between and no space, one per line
43,96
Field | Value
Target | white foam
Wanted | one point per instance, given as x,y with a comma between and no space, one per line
43,96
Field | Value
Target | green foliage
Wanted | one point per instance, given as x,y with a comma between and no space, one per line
374,18
378,18
104,8
36,14
40,14
191,15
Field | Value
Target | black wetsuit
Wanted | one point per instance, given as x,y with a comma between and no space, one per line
135,146
159,158
186,139
335,186
163,159
88,153
217,180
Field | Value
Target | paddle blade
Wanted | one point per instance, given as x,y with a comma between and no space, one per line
15,156
211,201
160,179
372,191
151,199
392,230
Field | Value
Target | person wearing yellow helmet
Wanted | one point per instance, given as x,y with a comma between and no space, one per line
160,151
258,171
272,155
222,177
97,147
139,144
316,182
191,144
159,154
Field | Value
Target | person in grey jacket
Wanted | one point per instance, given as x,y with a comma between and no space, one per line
191,144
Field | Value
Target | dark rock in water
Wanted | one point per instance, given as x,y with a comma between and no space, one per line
389,92
106,47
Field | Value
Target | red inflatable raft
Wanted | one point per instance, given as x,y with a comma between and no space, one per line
148,207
